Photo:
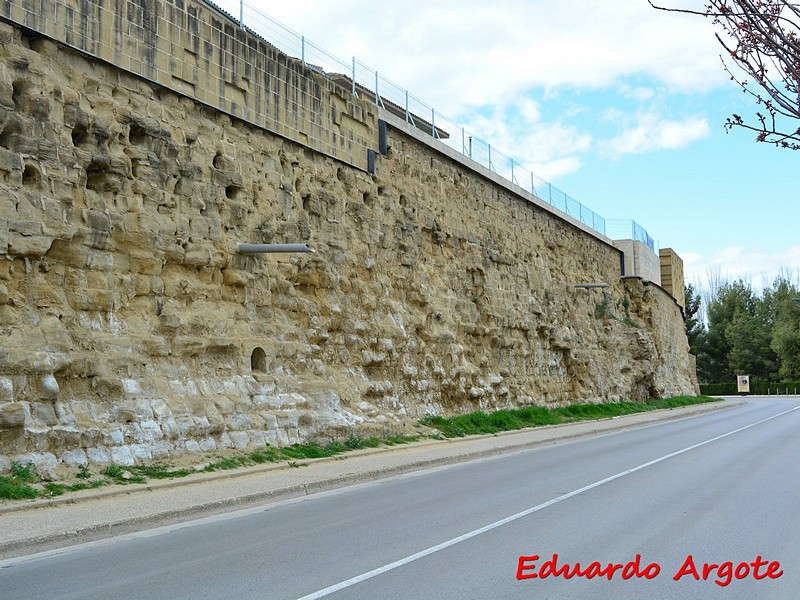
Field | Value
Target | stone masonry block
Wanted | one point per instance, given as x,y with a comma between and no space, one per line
12,415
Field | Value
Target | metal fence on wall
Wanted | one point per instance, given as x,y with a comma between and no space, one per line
626,229
368,83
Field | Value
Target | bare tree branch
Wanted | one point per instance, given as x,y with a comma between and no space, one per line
762,37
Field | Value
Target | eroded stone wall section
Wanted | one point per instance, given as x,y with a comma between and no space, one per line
132,329
194,49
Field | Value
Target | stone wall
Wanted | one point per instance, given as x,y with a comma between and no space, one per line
133,330
197,50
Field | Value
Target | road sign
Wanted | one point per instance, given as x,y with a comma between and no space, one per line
744,384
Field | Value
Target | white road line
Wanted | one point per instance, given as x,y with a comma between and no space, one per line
476,532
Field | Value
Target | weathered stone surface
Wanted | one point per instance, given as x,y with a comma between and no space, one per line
12,415
132,330
74,458
6,389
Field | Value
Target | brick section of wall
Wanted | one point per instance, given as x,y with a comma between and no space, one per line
672,275
197,51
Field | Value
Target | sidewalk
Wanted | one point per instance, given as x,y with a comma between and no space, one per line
33,526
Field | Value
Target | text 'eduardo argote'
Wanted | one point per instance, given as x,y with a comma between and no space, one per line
722,574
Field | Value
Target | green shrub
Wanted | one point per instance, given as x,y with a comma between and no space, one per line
16,490
537,416
758,388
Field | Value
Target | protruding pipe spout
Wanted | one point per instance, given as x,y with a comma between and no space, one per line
268,248
591,285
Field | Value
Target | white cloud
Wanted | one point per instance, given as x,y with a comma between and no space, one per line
651,132
455,54
640,93
752,265
550,149
553,169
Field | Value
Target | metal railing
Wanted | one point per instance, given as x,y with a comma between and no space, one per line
369,84
626,229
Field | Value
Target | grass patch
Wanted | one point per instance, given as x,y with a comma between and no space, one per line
537,416
17,487
11,489
310,450
158,471
121,476
86,485
226,464
24,473
20,485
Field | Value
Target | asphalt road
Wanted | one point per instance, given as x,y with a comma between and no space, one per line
719,487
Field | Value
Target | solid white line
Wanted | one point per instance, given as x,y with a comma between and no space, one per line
476,532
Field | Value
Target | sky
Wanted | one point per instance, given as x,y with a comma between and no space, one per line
618,104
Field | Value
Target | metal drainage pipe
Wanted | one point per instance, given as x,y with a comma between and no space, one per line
269,248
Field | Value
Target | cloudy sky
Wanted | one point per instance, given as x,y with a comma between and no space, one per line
617,104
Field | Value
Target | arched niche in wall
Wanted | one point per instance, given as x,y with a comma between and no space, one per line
258,361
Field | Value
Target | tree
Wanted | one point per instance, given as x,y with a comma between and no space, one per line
695,329
762,37
786,329
730,300
749,335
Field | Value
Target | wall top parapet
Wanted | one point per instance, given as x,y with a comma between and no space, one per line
197,50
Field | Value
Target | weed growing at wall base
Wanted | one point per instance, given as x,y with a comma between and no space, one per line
309,450
536,416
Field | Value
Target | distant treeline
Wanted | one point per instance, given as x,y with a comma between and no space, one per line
736,330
